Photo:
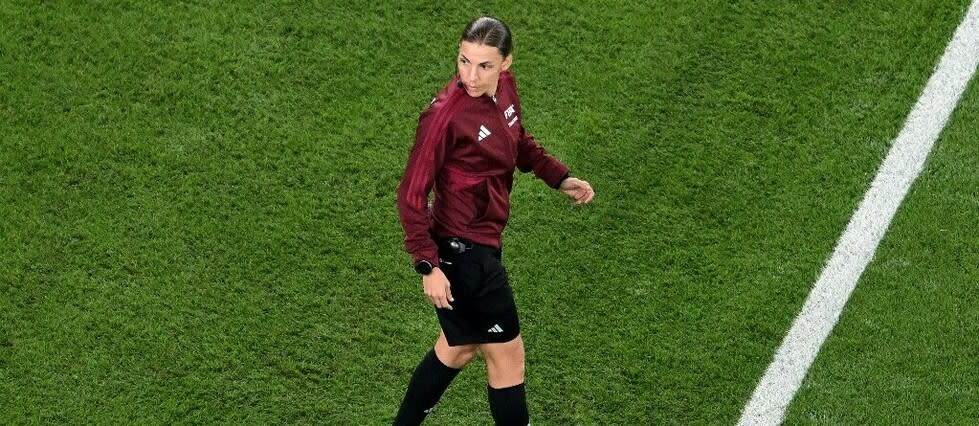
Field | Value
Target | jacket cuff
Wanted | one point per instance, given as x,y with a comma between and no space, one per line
553,175
432,258
560,181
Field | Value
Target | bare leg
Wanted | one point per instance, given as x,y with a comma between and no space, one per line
504,363
505,371
453,356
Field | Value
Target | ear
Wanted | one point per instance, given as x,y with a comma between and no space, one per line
507,62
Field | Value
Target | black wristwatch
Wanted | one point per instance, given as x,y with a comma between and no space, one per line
424,267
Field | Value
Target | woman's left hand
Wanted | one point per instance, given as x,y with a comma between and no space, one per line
578,190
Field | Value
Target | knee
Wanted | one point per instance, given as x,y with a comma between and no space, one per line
504,373
512,367
506,363
516,363
466,355
456,357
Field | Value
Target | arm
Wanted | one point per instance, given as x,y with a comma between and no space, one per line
533,157
424,163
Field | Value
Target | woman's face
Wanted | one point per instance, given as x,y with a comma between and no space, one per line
480,67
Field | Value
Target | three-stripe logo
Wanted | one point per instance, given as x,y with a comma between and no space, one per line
483,132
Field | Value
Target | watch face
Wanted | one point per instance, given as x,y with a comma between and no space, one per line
423,267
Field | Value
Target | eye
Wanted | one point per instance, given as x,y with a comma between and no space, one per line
463,61
486,66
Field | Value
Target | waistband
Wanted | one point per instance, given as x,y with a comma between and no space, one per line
460,245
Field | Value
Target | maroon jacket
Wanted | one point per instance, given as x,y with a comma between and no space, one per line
467,149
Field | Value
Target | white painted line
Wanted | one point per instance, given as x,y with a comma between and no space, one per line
858,243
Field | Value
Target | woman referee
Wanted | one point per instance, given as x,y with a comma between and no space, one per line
468,143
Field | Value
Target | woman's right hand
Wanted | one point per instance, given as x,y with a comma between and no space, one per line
437,289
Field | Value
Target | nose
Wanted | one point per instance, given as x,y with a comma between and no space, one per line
471,75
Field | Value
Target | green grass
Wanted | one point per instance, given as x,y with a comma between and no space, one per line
199,222
904,350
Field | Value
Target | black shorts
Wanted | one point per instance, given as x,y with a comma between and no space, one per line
483,310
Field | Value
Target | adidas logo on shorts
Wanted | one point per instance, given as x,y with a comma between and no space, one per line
495,329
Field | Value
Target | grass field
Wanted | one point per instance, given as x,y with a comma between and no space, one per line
903,351
199,225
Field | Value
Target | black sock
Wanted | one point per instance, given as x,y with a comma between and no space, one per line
509,406
427,385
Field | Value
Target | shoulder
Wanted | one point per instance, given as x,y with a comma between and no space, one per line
436,117
445,100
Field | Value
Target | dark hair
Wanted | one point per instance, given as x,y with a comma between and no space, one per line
491,32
